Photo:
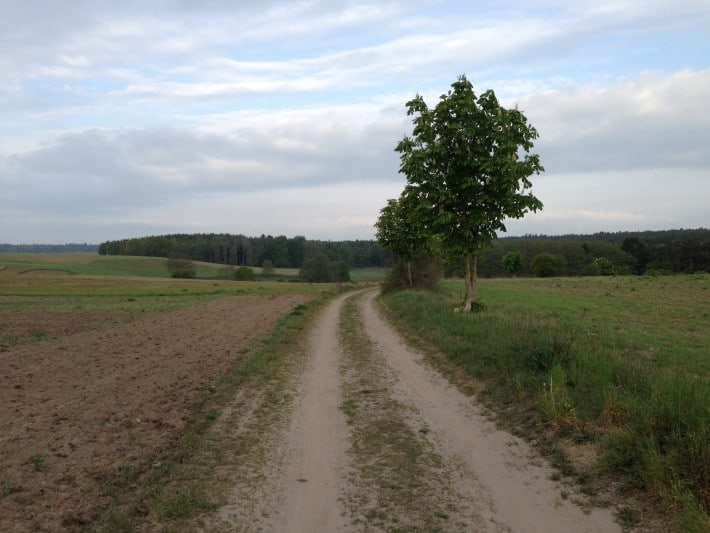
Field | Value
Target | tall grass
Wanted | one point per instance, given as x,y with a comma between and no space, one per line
569,351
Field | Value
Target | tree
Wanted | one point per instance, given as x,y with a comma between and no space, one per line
316,270
339,271
512,262
468,165
267,268
546,265
397,232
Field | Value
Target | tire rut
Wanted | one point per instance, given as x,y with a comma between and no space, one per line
378,441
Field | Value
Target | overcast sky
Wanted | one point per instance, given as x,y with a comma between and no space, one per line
132,118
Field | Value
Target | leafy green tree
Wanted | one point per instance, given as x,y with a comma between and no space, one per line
546,265
316,269
339,271
512,262
397,231
468,165
640,250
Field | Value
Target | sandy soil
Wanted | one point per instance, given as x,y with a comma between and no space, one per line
76,409
310,485
480,478
508,484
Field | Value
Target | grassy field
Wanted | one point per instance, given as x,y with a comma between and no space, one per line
91,264
622,362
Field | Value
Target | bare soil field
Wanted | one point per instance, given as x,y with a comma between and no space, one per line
101,400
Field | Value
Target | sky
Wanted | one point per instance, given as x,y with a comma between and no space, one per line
135,118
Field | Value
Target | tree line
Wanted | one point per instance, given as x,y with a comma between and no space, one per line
673,251
240,250
668,251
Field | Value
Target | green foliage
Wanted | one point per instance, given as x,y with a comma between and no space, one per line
339,271
319,269
425,272
244,273
465,174
512,262
594,353
604,266
547,265
316,270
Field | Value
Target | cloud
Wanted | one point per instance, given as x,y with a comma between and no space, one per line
654,120
122,114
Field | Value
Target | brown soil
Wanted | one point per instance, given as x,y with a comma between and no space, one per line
76,409
44,324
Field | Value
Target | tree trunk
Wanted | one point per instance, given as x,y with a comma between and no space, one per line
409,274
471,281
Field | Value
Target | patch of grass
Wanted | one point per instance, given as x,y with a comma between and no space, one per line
621,357
183,504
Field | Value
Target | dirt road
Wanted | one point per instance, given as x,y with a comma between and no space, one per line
380,441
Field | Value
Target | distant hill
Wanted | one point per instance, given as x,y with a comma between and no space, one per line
48,248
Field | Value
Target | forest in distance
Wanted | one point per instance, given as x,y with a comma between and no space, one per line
671,251
667,251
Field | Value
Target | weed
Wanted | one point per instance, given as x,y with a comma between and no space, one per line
5,487
38,462
627,517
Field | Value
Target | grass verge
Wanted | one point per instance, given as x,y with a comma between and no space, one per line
572,353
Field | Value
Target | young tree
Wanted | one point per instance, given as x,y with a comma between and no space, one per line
468,165
398,233
267,268
512,262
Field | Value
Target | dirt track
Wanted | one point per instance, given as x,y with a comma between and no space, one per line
467,474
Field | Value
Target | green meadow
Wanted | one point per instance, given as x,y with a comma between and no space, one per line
623,362
91,264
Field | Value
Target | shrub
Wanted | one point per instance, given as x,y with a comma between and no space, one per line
244,273
181,268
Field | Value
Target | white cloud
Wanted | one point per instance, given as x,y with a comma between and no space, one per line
125,113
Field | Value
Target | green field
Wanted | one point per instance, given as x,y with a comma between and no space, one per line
91,264
619,361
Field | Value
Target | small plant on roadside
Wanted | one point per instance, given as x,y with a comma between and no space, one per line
555,399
